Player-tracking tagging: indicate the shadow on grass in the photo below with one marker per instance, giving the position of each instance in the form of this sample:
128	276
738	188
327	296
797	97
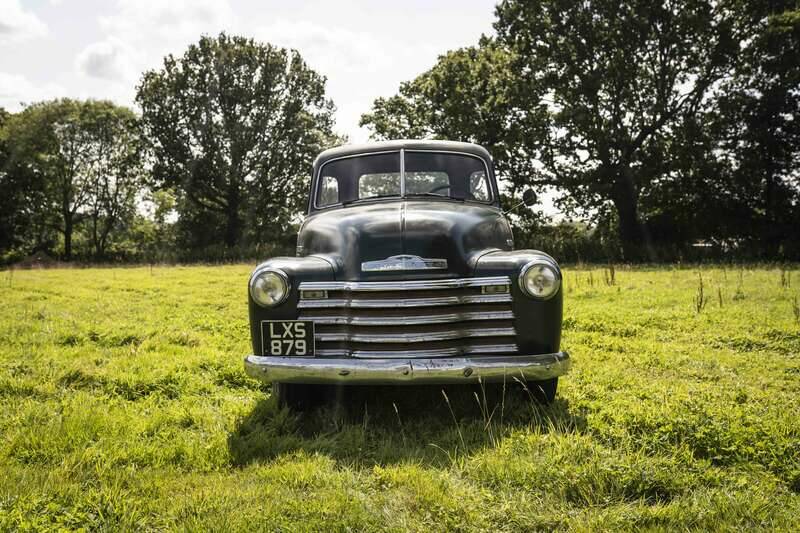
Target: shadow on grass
378	425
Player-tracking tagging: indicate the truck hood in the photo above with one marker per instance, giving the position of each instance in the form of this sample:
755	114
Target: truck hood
428	229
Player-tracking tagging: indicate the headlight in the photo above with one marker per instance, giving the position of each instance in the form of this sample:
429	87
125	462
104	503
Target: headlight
269	287
539	280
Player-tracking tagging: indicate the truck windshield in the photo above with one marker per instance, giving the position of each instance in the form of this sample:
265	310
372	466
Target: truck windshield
420	174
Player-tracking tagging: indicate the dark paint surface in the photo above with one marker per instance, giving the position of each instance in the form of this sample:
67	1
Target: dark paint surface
475	239
432	229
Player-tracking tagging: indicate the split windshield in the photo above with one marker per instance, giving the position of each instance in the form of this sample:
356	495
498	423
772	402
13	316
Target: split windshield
424	174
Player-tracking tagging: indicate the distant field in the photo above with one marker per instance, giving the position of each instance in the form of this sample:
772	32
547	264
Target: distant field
123	405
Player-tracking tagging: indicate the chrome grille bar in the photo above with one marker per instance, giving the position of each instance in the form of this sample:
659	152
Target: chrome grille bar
410	285
405	354
386	337
448	318
402	302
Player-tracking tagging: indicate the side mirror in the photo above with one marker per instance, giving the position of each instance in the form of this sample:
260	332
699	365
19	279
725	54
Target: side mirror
529	197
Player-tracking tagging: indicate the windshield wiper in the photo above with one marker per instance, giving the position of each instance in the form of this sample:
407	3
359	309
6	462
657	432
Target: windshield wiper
348	202
433	195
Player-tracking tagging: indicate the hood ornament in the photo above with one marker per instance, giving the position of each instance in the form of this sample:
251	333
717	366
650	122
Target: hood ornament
403	262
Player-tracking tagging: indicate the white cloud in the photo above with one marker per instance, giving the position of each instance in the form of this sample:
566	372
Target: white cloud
330	49
140	32
111	59
334	49
16	91
17	25
167	22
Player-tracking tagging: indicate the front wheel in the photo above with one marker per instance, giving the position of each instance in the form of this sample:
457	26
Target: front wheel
297	397
543	391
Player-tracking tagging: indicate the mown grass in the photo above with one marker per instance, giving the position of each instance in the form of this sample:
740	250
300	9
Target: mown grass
123	405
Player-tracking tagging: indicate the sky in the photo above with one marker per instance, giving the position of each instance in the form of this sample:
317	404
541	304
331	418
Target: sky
98	49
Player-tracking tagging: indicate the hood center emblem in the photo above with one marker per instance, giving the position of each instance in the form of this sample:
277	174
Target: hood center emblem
403	262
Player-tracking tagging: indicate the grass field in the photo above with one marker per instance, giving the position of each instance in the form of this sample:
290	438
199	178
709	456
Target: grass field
123	405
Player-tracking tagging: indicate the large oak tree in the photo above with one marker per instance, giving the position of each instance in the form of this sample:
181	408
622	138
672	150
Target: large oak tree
621	75
233	126
593	91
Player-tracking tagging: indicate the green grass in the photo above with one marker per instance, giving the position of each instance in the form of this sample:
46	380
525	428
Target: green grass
123	405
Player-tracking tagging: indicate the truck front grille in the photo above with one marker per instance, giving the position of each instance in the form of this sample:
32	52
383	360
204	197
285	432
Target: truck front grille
386	319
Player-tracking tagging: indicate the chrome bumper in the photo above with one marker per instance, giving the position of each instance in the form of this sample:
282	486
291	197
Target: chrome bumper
407	371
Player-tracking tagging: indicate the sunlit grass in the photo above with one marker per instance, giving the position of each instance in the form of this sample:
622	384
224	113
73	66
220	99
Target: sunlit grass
123	405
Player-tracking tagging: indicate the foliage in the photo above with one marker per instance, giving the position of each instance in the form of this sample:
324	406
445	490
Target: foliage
88	179
755	118
70	160
124	406
116	174
672	130
23	200
469	95
9	202
620	76
670	123
233	126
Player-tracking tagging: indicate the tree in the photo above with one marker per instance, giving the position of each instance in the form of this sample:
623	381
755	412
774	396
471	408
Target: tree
233	126
48	139
621	75
584	96
70	150
756	123
23	201
729	172
470	95
116	172
10	204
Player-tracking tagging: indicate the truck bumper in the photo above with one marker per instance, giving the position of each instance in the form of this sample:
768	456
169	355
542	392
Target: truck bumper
352	371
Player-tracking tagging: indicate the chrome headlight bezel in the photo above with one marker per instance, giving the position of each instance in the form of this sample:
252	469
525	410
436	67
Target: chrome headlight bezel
528	268
259	274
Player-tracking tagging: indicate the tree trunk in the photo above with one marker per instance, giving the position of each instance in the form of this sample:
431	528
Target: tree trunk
233	224
104	233
67	236
94	236
631	231
771	230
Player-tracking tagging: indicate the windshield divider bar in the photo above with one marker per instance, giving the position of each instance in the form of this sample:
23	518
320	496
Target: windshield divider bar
402	173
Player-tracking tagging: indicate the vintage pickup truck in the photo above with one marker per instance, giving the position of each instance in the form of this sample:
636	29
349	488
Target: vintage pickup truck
406	273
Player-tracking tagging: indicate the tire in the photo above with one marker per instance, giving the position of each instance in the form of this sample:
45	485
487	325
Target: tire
544	391
297	397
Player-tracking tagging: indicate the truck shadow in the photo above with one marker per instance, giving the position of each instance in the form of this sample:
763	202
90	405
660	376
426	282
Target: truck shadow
376	425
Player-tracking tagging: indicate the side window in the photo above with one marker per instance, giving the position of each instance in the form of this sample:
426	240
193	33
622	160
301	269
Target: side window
479	186
328	191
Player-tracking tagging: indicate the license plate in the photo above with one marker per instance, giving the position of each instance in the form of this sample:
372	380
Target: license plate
287	337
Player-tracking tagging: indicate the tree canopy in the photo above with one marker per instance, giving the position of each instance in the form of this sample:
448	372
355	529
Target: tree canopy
625	107
233	126
70	159
663	128
469	95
